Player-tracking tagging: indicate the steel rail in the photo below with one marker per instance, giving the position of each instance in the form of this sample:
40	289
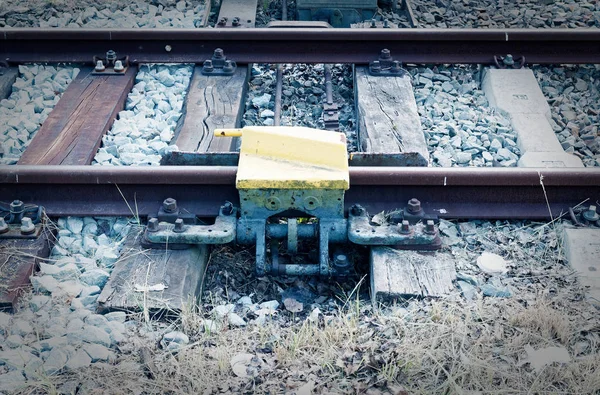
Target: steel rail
302	45
449	192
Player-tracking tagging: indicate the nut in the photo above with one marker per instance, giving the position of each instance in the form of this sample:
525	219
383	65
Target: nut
152	225
178	225
414	206
170	205
27	226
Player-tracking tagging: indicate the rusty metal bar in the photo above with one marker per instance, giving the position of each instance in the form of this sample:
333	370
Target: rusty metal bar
303	45
449	192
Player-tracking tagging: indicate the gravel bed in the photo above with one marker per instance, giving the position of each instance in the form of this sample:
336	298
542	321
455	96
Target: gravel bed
143	131
100	14
573	93
303	95
506	13
34	94
56	329
252	334
460	128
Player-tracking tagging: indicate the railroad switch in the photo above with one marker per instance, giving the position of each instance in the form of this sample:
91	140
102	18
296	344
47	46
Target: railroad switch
291	183
338	13
21	221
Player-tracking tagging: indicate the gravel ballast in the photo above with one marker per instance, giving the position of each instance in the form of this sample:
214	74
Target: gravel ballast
34	94
143	132
98	14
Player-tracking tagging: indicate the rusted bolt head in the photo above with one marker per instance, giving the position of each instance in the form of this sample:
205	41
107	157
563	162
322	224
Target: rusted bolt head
152	224
178	225
170	205
228	66
218	54
3	225
413	206
111	55
508	60
405	227
590	214
235	21
227	208
118	66
385	54
99	66
357	210
207	66
222	21
376	65
341	261
27	226
16	206
395	65
430	227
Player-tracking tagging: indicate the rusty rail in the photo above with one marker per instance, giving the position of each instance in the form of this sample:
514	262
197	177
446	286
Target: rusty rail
302	45
450	192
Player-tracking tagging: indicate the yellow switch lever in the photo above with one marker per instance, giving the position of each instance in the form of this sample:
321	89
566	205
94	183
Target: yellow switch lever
228	132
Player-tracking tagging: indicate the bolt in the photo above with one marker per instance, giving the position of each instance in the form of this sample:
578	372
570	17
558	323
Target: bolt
178	225
218	54
111	56
228	66
373	23
168	48
222	21
207	66
340	261
16	207
99	66
227	208
357	210
405	227
3	226
152	225
375	66
508	60
385	54
414	206
119	66
27	226
430	227
170	205
590	214
396	66
235	21
386	24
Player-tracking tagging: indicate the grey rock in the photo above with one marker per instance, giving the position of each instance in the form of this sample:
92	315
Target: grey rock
37	302
89	334
55	361
97	352
16	358
96	277
236	320
176	337
118	316
12	381
44	284
467	290
21	327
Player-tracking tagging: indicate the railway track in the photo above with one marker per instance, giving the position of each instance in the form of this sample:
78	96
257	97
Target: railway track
84	165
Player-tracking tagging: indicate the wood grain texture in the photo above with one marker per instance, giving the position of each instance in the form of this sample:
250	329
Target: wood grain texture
181	271
388	117
19	259
212	102
410	274
73	131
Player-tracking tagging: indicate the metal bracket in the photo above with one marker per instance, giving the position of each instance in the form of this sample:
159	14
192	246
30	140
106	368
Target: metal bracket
221	232
404	235
218	64
386	66
509	62
21	221
110	64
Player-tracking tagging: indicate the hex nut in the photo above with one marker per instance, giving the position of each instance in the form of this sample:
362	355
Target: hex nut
414	206
27	226
152	225
170	205
178	226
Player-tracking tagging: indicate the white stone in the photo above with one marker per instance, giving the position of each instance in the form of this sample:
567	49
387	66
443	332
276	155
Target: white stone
81	359
223	310
55	361
235	320
118	316
271	304
44	283
97	352
492	263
